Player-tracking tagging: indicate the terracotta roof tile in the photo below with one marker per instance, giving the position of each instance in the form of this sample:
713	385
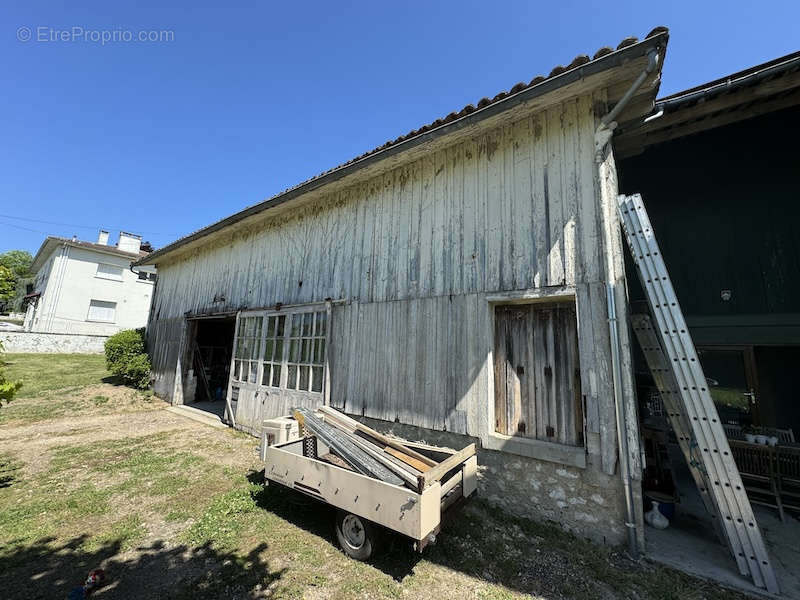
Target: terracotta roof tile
577	62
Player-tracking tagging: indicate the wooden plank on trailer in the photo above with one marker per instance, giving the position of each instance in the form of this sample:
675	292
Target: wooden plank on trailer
445	466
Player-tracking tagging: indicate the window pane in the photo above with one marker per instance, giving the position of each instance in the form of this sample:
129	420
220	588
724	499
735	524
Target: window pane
268	349
258	326
292	378
271	327
281	323
317	379
296	325
322	324
319	352
305	354
304	378
265	375
294	351
308	324
278	351
253	371
237	365
276	376
256	348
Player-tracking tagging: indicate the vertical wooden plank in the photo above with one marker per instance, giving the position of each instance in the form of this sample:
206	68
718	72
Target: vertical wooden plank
554	192
414	240
481	212
529	406
507	210
469	204
426	227
551	378
494	208
500	360
570	190
523	198
457	226
540	230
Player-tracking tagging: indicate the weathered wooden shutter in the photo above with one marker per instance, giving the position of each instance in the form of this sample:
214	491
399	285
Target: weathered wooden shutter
537	377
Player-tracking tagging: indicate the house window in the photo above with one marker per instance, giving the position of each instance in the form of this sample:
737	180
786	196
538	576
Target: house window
291	351
248	349
106	271
537	372
99	310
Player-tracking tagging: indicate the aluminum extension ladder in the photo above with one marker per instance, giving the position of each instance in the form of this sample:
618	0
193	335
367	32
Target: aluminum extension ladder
672	359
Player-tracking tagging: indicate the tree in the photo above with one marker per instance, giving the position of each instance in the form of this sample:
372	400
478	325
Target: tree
15	267
19	261
8	285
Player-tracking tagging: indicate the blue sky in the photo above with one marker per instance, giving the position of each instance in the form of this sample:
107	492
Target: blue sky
249	98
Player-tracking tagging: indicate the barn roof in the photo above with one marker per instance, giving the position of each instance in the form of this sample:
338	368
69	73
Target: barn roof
580	67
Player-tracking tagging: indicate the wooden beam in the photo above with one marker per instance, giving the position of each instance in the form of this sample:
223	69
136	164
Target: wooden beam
356	426
409	460
443	467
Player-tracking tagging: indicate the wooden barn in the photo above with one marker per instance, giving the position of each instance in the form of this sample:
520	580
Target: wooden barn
453	282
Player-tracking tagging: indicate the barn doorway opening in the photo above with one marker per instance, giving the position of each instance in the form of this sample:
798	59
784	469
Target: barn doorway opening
211	363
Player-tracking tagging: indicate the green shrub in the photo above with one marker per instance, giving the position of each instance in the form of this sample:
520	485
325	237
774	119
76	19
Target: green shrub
121	346
7	388
126	358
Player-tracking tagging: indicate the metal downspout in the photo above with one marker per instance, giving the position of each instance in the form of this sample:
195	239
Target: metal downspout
603	136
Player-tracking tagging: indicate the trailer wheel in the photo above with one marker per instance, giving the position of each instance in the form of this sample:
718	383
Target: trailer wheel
358	537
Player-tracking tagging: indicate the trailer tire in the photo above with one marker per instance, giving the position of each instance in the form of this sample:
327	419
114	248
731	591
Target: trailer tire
358	537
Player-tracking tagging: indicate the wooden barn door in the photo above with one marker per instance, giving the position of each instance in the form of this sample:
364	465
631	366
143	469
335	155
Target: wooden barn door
280	362
537	378
245	373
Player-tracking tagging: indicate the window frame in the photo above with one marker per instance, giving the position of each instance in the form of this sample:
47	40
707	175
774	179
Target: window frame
100	275
288	313
574	456
89	312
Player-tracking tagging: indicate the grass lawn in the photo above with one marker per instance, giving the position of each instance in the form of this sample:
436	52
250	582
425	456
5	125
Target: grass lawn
95	475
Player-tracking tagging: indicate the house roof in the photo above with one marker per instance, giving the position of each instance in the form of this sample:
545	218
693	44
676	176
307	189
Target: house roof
764	88
580	67
53	241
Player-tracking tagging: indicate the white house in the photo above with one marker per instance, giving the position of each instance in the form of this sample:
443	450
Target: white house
89	287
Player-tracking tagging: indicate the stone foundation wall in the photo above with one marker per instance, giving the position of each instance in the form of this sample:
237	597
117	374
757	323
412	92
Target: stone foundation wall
52	343
586	501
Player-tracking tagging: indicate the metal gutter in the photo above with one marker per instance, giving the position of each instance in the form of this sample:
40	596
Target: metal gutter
743	79
593	67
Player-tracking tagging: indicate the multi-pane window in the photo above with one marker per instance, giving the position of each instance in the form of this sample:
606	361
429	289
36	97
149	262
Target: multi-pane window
290	350
307	351
248	349
273	351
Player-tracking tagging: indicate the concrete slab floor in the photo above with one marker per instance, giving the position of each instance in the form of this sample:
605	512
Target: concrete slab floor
215	408
689	543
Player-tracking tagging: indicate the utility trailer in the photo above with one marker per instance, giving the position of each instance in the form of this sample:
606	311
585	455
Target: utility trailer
374	481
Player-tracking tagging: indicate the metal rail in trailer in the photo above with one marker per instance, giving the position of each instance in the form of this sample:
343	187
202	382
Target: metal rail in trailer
376	482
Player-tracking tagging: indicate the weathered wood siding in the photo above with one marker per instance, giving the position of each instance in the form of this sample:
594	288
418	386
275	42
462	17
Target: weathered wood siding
414	253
